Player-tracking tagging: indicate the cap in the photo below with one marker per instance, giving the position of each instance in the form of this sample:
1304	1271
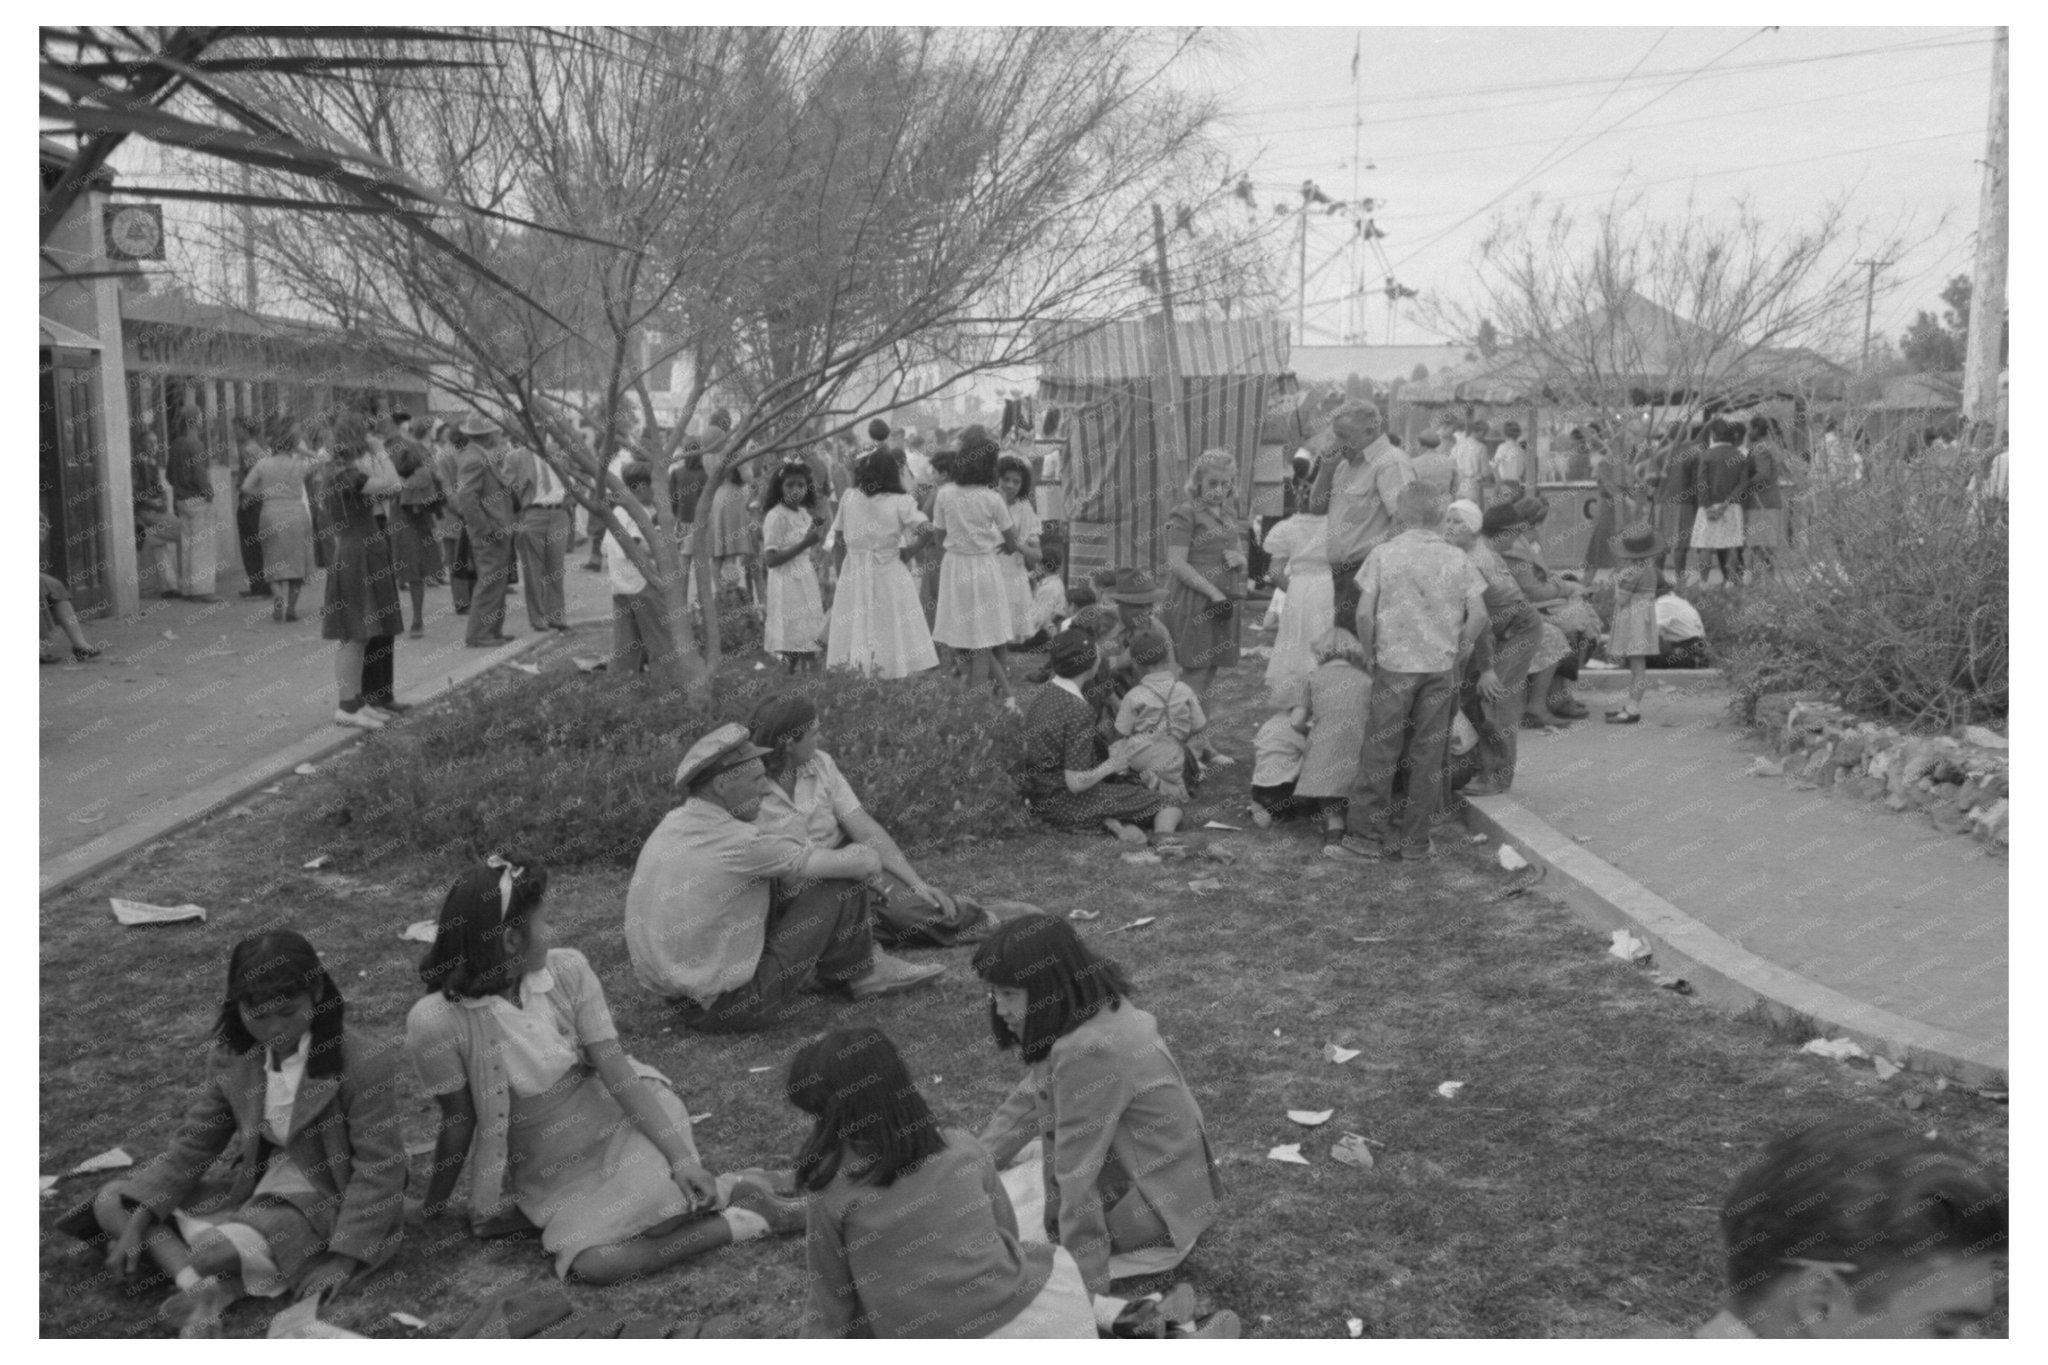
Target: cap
725	747
476	424
1134	586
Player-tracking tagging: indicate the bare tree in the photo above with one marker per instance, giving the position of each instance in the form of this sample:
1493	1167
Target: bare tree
820	222
1608	316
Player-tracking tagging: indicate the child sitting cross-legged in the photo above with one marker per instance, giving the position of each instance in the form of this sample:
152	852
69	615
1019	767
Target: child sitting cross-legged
1162	717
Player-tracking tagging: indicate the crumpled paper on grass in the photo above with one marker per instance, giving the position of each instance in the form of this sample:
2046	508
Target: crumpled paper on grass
138	912
1628	947
1290	1153
1841	1049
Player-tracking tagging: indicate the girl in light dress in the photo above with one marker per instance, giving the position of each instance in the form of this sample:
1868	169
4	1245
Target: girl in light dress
1301	568
795	606
561	1129
878	624
1013	481
975	530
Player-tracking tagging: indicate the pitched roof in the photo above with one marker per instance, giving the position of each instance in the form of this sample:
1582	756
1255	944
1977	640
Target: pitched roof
1380	364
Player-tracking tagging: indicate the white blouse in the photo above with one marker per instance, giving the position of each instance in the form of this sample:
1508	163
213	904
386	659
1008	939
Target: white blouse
534	1048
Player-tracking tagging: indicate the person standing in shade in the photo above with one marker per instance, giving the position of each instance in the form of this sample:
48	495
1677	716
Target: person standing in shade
156	525
192	489
361	613
412	517
1763	505
455	558
249	449
1421	608
484	497
1473	477
544	530
1509	460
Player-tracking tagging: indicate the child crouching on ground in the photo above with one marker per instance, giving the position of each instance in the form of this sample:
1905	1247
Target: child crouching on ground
1332	715
1162	717
1278	750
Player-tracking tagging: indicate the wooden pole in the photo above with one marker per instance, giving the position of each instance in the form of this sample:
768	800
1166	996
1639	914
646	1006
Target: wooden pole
1166	377
1987	285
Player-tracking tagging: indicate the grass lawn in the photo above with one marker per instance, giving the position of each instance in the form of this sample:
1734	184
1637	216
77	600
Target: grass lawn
1569	1189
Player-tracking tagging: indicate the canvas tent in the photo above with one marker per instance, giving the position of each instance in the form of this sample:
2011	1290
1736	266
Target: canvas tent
1121	477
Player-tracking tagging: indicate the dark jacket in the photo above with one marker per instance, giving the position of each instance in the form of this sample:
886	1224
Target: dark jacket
189	476
345	1136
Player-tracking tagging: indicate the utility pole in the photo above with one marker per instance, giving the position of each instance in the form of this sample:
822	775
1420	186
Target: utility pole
1301	298
1166	377
1987	284
1869	306
248	242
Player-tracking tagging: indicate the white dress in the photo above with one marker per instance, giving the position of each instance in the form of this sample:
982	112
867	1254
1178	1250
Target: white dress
1026	520
877	621
1310	609
796	608
974	597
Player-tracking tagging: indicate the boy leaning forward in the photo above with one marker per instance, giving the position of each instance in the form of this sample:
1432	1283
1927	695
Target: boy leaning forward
1421	608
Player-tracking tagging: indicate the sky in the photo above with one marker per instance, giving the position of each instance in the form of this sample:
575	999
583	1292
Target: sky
1460	125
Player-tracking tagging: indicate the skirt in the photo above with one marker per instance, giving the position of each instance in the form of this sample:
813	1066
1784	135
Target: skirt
415	546
1062	1310
1017	579
795	608
1725	534
1764	527
362	590
1550	650
583	1173
285	530
1635	627
272	1237
974	602
1309	613
878	625
1112	799
1204	632
1599	548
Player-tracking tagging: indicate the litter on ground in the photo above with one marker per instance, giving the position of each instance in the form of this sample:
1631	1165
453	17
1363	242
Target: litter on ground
1134	924
1353	1150
1841	1049
305	770
1510	861
136	912
113	1159
1339	1055
1449	1089
315	864
1288	1152
1628	947
420	931
1080	916
1311	1118
1144	857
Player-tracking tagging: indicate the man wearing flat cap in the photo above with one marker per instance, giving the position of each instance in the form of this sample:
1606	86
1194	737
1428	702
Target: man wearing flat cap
483	497
707	925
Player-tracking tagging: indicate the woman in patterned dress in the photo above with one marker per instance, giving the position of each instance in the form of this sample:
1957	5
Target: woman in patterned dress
1071	780
1205	560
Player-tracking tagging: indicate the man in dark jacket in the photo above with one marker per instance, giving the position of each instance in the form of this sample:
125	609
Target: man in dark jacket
192	490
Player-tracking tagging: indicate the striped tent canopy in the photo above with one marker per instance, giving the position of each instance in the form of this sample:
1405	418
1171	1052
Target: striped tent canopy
1120	487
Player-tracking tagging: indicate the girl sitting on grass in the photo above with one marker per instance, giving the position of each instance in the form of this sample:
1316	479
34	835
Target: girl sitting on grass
1127	1177
911	1232
318	1190
566	1132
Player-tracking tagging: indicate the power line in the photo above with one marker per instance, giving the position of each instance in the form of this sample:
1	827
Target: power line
1680	73
1398	156
1554	160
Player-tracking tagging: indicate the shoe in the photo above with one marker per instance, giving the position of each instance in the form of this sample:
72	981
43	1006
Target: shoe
462	611
363	719
1530	722
785	1217
1424	854
1222	1326
87	652
277	609
169	593
1337	853
1370	849
562	626
416	633
592	566
1569	708
1482	789
1624	717
290	616
888	975
391	708
380	713
1262	817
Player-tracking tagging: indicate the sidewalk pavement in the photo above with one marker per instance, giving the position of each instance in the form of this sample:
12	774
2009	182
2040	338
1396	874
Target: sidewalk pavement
194	705
1875	905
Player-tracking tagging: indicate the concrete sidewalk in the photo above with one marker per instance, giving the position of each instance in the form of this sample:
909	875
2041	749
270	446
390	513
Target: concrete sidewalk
188	698
1875	905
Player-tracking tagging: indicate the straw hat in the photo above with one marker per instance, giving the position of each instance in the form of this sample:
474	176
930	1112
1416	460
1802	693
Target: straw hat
1640	541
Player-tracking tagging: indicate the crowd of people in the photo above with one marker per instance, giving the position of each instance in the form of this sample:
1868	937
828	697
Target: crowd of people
767	884
1417	632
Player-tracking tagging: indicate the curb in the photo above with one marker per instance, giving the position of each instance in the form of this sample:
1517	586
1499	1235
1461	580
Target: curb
1616	679
68	869
1719	971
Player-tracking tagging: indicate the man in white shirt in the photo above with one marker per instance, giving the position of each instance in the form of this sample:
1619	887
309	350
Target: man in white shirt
1508	457
1473	478
542	539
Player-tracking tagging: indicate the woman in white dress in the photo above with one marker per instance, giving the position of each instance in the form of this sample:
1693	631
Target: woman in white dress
877	622
974	529
1301	566
796	608
1013	481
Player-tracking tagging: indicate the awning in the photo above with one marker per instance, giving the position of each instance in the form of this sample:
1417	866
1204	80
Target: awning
57	334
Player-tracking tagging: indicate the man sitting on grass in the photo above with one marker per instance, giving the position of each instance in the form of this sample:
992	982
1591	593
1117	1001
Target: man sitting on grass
1858	1228
709	927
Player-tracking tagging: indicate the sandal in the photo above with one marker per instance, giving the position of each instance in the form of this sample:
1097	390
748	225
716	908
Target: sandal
1624	717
